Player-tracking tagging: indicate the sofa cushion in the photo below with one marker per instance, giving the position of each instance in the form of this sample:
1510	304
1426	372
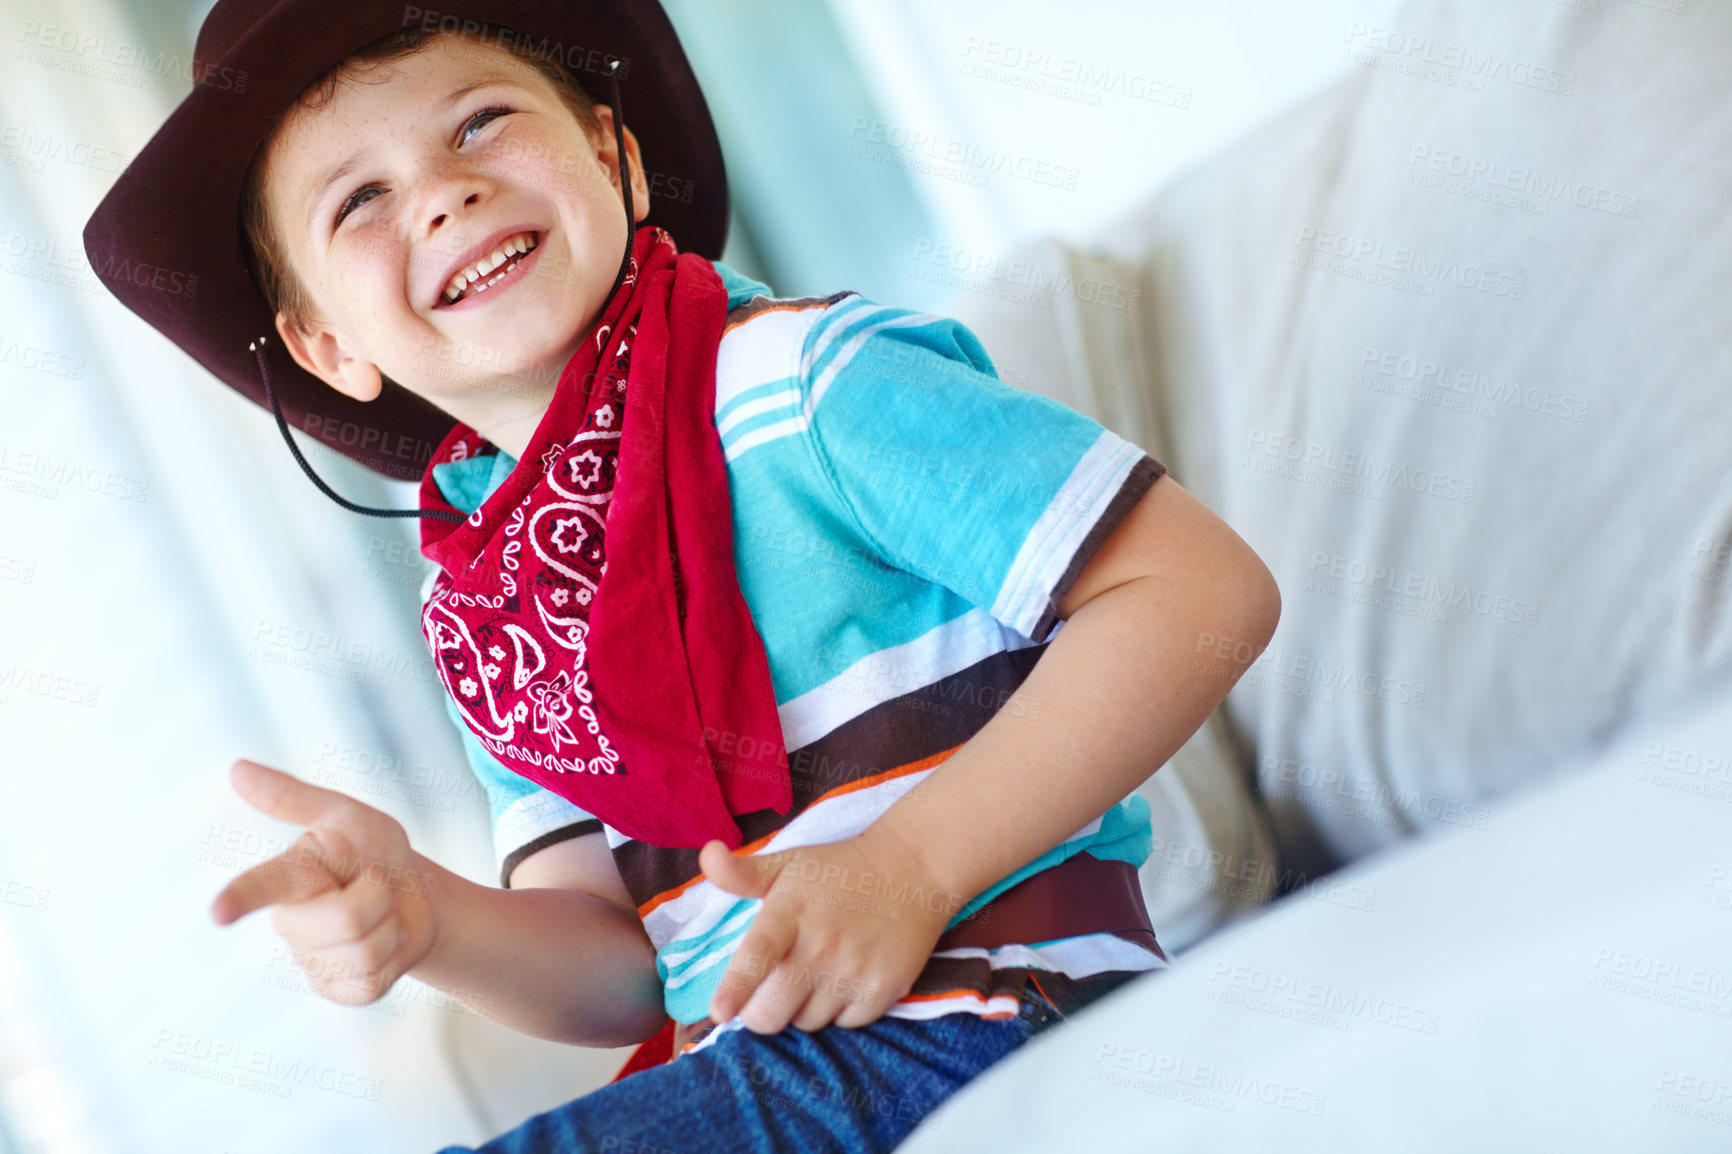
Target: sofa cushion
1448	344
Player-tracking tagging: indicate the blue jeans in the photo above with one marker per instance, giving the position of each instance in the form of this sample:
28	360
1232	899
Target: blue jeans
833	1089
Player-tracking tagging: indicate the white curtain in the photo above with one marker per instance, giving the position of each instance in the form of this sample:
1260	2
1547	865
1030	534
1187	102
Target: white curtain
173	595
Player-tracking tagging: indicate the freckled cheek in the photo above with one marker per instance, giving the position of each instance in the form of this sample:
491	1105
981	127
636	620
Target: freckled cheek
559	168
371	287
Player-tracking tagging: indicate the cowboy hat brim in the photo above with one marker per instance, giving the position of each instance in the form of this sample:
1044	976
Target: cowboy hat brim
167	239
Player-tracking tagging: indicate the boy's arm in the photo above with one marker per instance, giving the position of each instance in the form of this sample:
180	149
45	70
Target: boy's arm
1120	688
1159	625
561	956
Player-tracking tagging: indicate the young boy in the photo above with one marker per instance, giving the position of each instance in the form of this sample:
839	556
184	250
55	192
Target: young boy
933	861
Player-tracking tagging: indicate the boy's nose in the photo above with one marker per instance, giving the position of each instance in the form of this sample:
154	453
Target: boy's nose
468	201
443	211
445	187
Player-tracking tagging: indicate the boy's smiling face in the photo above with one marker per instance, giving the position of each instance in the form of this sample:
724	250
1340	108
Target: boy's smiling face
418	170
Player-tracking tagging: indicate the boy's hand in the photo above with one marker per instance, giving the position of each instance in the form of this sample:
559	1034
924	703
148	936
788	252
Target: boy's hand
844	930
349	895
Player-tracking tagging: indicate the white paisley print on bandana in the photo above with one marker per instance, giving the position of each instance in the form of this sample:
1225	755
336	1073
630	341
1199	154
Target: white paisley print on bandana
550	557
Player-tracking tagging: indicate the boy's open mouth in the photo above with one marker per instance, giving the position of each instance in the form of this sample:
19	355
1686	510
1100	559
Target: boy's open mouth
506	258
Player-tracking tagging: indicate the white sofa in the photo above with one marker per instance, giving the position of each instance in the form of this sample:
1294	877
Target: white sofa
1449	345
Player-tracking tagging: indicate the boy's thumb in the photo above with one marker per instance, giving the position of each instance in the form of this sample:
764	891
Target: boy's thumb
746	877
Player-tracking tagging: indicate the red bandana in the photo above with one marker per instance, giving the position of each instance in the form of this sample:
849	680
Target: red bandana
587	619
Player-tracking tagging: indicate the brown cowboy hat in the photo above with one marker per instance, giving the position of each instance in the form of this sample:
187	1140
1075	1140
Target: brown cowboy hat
167	239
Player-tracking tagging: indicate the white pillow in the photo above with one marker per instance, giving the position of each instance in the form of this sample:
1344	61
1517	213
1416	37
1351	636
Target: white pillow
1505	991
1476	424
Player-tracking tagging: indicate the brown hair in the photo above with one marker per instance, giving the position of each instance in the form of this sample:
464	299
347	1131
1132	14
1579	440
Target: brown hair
266	259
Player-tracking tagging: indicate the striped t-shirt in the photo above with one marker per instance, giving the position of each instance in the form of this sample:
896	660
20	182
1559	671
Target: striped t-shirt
904	524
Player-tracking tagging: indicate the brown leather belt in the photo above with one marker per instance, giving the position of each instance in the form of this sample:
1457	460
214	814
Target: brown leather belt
1081	895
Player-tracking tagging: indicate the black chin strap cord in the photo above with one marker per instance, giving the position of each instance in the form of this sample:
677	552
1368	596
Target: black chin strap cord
257	348
624	182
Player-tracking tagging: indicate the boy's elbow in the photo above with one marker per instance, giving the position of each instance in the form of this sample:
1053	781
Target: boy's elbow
1250	604
1265	612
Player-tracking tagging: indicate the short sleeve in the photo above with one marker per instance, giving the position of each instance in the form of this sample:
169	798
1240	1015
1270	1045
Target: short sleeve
998	494
526	817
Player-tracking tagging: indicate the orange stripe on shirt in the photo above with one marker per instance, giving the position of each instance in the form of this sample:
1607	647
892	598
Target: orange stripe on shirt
784	307
750	848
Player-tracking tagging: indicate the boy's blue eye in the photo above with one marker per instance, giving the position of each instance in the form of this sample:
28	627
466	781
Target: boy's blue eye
481	120
354	201
477	122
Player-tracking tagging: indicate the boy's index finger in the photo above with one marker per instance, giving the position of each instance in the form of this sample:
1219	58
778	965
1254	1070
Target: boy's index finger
293	875
284	796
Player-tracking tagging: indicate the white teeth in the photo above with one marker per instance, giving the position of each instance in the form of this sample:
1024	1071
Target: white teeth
456	286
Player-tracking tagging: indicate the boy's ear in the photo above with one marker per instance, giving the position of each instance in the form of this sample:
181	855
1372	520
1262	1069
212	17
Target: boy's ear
608	153
323	353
